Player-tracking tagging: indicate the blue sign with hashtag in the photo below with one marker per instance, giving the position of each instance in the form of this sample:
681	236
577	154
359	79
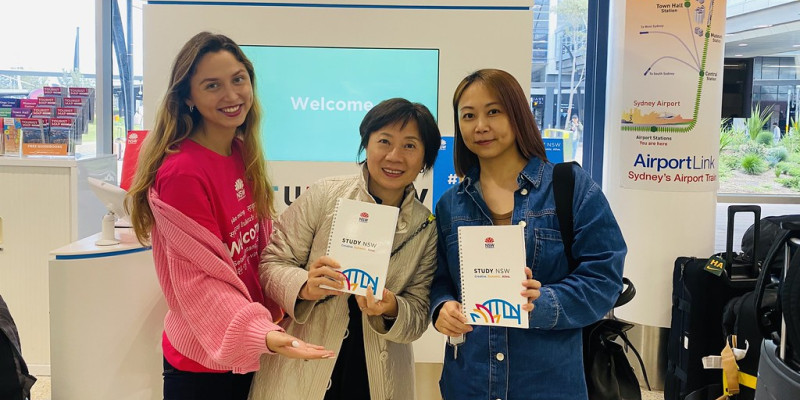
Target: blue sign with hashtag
444	173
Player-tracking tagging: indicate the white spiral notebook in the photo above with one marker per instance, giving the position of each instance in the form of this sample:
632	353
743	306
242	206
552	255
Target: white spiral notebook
361	241
492	260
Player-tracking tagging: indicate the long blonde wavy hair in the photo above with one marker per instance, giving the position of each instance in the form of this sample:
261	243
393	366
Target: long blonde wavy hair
175	122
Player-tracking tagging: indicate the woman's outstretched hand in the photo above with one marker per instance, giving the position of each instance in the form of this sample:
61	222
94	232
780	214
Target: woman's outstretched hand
289	346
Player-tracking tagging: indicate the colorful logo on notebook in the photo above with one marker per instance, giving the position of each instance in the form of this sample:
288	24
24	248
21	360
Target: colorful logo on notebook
489	242
355	278
363	217
493	310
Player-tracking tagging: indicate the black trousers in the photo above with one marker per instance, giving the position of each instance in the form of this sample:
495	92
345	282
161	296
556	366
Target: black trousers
183	385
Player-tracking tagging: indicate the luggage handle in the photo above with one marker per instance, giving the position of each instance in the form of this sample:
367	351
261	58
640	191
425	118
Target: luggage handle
732	211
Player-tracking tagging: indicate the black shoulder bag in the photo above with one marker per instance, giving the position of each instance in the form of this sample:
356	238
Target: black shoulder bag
609	375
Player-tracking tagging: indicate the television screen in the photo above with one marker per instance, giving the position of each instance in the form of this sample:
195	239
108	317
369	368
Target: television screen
314	98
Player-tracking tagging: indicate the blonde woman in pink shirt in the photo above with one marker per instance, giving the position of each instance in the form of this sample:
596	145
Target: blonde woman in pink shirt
202	197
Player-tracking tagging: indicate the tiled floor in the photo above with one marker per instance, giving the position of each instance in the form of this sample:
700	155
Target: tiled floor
41	391
652	395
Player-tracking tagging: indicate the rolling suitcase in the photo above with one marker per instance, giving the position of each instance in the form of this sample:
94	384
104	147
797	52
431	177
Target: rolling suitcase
701	288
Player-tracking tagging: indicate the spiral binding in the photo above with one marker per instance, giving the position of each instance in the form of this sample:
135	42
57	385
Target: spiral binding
461	270
333	226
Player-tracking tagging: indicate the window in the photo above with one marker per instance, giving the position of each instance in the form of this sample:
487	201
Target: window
65	57
558	75
759	136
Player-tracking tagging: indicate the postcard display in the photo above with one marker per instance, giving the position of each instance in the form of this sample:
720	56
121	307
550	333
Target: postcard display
50	125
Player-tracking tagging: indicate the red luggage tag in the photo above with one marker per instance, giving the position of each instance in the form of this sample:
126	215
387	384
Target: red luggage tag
715	265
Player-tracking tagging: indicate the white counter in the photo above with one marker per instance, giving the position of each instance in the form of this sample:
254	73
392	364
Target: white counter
106	318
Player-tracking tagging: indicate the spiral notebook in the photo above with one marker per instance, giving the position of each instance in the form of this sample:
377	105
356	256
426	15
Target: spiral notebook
492	260
361	241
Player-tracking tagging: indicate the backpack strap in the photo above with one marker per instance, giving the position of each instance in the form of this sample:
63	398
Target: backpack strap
622	335
563	192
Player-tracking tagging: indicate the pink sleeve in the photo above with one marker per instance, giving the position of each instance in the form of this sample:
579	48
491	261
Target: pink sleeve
231	329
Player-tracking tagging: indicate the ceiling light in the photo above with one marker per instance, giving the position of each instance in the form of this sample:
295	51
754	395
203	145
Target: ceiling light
738	55
742	44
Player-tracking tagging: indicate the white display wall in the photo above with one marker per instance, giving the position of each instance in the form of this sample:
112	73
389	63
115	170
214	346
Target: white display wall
468	35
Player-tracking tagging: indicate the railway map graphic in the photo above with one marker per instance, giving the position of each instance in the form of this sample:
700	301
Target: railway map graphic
671	84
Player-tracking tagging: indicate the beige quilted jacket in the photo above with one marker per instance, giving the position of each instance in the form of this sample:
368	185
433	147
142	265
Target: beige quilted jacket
301	236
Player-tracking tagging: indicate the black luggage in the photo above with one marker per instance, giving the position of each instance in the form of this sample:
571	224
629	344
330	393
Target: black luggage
701	288
770	231
779	366
756	315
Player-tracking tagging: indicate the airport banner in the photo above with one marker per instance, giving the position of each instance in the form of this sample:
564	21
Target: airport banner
671	95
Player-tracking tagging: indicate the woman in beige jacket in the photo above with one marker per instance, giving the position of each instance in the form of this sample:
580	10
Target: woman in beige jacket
372	339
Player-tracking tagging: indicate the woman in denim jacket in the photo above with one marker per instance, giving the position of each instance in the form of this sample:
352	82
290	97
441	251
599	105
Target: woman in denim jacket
507	179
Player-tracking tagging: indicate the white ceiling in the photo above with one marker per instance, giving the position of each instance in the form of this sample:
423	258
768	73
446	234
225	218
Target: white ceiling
773	31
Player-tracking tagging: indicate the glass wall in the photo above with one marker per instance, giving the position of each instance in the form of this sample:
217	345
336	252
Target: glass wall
558	75
759	136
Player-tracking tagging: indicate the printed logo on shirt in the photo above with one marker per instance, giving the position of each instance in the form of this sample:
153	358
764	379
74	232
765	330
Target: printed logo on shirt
239	186
245	241
489	242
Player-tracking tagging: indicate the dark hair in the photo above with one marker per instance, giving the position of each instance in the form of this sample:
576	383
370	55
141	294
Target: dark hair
401	110
513	99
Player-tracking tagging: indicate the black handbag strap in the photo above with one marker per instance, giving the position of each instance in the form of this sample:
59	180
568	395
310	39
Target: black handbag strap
563	192
627	294
622	335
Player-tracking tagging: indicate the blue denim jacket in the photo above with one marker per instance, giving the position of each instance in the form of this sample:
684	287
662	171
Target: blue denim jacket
546	360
